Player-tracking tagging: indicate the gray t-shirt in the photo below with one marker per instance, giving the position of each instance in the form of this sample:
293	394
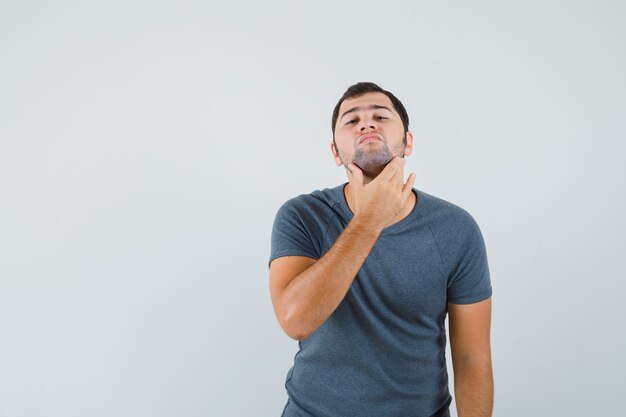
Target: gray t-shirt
382	351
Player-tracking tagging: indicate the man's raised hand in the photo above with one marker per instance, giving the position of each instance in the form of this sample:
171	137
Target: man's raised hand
379	202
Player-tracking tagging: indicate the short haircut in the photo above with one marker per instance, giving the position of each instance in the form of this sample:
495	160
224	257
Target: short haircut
359	89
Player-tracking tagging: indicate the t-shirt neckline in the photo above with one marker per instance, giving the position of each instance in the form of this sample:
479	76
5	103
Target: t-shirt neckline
413	214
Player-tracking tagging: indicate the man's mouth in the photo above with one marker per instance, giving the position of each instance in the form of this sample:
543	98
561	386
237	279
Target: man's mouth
369	137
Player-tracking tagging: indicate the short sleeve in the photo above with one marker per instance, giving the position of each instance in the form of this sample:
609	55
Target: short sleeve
469	280
291	235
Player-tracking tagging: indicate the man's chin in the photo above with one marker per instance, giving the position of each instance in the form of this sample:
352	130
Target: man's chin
374	165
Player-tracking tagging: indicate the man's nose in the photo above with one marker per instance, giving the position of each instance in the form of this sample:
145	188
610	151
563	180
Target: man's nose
367	124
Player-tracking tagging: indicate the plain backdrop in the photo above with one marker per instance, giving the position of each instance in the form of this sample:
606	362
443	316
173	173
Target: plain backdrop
145	147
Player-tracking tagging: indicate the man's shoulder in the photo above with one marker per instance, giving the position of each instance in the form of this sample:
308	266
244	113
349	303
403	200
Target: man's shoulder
302	221
316	200
446	217
433	205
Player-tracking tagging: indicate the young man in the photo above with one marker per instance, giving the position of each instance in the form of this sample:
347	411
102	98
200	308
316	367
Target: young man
363	275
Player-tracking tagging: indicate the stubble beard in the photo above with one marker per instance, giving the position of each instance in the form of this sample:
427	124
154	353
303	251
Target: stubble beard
372	162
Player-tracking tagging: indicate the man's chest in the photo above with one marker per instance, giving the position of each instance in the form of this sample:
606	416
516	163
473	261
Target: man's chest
403	274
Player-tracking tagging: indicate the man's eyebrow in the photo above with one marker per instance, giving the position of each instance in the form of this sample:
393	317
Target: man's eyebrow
358	108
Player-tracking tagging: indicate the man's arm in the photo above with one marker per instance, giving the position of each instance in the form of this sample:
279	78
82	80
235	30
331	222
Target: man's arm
471	358
305	292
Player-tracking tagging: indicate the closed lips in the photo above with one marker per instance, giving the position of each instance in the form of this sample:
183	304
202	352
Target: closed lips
369	137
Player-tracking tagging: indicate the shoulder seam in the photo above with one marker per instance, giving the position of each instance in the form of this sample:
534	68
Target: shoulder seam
330	219
443	266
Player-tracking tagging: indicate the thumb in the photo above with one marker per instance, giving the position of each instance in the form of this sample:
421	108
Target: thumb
355	174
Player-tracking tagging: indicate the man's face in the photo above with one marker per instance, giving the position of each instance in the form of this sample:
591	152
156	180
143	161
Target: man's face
369	133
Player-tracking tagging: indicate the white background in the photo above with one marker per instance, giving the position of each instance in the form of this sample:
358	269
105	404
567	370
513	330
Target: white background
146	146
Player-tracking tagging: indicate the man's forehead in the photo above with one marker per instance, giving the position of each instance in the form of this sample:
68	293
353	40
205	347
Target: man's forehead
366	101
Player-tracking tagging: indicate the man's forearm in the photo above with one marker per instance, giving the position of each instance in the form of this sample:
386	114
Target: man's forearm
312	296
473	387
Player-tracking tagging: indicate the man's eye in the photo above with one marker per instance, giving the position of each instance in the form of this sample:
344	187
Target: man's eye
349	122
382	117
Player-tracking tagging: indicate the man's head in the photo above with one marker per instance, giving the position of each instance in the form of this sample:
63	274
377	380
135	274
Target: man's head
370	127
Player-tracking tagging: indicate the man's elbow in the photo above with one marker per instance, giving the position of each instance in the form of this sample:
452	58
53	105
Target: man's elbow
292	325
479	364
474	359
296	334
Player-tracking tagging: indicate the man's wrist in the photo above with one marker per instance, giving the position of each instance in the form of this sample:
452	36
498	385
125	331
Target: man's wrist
364	225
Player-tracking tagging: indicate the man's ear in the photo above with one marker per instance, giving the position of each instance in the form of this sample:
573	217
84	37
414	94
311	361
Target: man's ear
333	150
408	150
